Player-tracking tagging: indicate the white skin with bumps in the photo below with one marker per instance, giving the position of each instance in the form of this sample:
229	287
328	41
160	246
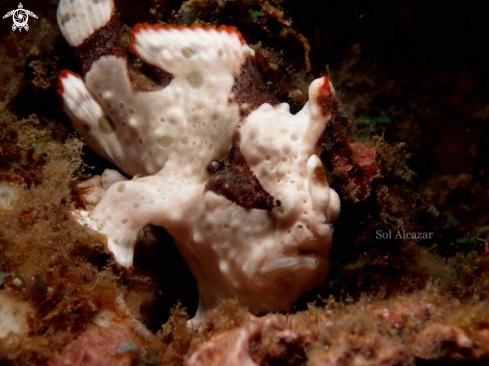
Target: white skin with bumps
167	138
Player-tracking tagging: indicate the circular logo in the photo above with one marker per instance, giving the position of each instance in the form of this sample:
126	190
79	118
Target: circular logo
20	17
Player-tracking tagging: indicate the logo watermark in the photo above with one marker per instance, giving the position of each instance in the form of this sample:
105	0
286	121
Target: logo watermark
20	17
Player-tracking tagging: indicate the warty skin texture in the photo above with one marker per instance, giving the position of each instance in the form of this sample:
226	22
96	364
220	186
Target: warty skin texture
176	139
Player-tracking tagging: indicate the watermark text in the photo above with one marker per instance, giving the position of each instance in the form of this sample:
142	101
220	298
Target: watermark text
403	234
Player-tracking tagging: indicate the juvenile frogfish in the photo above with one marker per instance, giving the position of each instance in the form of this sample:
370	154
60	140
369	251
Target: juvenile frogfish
217	161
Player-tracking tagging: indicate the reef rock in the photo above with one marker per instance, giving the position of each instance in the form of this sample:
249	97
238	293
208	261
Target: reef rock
228	171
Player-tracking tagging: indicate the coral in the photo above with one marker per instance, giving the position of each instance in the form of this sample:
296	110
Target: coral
90	192
401	330
226	170
99	348
8	195
14	315
115	340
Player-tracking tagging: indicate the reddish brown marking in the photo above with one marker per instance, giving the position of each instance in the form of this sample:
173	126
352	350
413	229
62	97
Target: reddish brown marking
319	176
63	75
326	97
249	88
145	26
235	181
103	42
61	89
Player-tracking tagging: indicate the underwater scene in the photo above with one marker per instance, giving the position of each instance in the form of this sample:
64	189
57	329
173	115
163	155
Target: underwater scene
244	182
